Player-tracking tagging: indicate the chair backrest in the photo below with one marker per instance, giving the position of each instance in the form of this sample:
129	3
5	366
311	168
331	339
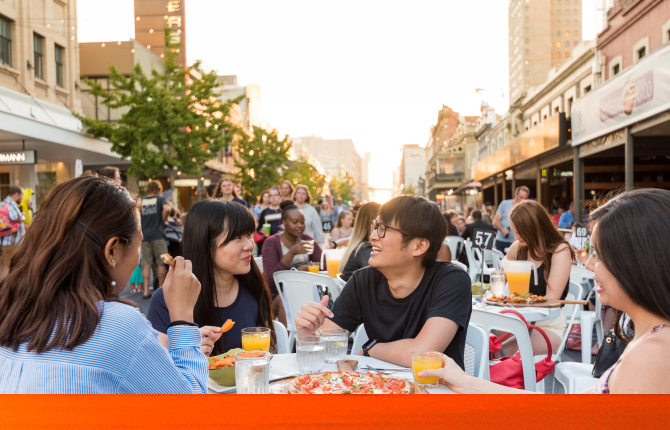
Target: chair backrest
491	320
360	337
340	285
476	352
299	288
282	338
259	263
475	270
452	242
575	292
459	264
496	259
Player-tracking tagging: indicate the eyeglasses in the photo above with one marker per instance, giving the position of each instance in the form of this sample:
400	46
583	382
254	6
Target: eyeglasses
381	229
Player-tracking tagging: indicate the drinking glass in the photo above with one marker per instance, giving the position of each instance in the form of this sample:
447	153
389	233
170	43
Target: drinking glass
422	360
309	246
497	283
336	340
252	372
256	339
311	354
313	267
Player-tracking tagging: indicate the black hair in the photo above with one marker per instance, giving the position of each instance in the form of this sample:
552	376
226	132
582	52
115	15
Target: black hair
286	203
417	217
635	257
206	221
286	208
476	215
210	189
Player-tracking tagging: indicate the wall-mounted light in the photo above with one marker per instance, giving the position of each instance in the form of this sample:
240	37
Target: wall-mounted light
28	65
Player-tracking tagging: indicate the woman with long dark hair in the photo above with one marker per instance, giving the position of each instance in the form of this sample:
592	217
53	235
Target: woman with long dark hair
218	239
630	242
63	328
538	241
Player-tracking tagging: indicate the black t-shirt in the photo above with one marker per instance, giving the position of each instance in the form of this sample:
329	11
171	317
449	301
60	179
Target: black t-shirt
153	227
444	291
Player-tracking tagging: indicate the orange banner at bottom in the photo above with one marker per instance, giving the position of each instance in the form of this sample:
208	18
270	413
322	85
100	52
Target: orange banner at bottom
375	412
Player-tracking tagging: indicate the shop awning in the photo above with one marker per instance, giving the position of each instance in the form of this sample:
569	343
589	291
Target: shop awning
639	92
467	186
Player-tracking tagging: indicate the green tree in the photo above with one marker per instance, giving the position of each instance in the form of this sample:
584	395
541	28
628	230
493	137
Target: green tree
411	190
342	186
301	172
171	122
262	159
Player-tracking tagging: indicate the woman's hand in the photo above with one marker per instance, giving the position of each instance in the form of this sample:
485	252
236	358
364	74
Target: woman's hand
181	290
450	374
210	335
298	248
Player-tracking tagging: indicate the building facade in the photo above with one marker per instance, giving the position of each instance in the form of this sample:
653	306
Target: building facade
151	19
542	34
412	168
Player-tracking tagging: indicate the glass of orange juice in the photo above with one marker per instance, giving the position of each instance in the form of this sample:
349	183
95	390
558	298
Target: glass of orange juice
313	267
332	266
423	360
518	282
256	339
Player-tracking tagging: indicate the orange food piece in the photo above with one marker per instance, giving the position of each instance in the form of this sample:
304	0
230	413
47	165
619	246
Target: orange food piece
252	354
227	325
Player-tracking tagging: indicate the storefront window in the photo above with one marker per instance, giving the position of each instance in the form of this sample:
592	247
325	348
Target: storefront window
49	174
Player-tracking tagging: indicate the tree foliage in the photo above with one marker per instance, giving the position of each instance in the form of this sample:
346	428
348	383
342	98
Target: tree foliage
169	122
262	160
342	186
301	172
411	190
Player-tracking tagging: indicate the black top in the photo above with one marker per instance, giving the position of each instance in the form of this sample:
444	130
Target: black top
541	288
272	217
444	291
470	228
357	260
153	227
243	311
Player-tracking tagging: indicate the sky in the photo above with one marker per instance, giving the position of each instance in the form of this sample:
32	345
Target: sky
374	71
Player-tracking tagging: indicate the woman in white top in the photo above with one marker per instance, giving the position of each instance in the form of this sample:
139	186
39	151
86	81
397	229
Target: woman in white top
313	225
343	230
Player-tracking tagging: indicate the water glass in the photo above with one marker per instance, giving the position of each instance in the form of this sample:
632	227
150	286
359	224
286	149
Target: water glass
497	283
252	372
311	353
336	340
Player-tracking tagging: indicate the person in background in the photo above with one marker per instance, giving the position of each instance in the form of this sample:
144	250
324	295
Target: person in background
620	268
218	239
26	205
302	200
174	218
343	230
225	190
355	207
286	191
555	218
485	210
477	223
568	217
270	215
63	327
14	196
155	210
487	218
317	206
287	250
451	216
460	225
406	299
444	254
112	173
505	237
89	173
538	241
263	203
358	252
210	190
339	208
326	215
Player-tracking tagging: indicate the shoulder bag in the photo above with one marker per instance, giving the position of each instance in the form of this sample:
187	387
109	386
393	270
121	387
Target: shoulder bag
608	354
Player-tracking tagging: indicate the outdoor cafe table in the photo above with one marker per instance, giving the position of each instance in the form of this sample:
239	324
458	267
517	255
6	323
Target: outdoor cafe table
530	314
286	365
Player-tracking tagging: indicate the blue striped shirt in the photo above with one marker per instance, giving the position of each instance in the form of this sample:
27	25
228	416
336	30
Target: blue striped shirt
123	356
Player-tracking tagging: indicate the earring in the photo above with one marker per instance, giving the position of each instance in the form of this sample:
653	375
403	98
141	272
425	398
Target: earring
113	283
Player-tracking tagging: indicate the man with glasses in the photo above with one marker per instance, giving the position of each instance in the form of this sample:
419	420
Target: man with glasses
407	300
270	215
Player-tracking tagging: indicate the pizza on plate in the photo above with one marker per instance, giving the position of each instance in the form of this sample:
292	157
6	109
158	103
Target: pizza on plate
349	383
520	299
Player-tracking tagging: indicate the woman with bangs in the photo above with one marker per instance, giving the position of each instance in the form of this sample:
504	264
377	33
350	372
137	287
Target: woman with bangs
538	241
218	239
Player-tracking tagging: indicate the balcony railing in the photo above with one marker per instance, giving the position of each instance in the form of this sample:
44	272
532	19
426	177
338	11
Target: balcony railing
446	177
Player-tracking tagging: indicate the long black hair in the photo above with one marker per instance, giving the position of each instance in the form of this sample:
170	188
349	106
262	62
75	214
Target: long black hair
632	243
205	222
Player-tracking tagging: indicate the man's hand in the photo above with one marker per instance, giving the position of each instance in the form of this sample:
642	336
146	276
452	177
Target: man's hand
311	317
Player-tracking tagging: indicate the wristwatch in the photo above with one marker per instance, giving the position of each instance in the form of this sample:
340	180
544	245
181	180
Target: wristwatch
368	346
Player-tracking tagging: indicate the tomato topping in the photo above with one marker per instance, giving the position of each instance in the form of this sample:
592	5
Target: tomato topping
348	382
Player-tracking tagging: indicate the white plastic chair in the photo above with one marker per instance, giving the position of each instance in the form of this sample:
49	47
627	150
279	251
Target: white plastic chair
573	378
259	263
488	321
588	319
452	242
476	352
475	270
282	338
299	288
360	337
496	259
459	264
340	286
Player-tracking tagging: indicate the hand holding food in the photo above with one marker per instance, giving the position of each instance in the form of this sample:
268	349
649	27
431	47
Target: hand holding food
167	259
227	325
209	337
180	290
311	316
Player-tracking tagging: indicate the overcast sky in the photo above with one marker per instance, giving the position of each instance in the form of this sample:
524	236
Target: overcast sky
374	71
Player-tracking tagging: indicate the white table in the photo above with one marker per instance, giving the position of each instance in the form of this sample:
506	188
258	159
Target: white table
285	365
530	314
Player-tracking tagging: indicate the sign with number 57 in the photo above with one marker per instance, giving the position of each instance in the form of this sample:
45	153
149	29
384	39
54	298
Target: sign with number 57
483	239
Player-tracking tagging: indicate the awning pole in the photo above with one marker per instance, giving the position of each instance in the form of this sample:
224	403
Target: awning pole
578	184
628	148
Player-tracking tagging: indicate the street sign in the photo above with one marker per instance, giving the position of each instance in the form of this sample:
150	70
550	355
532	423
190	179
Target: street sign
483	239
581	232
18	157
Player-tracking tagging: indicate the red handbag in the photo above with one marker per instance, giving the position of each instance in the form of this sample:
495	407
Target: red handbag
258	238
508	371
